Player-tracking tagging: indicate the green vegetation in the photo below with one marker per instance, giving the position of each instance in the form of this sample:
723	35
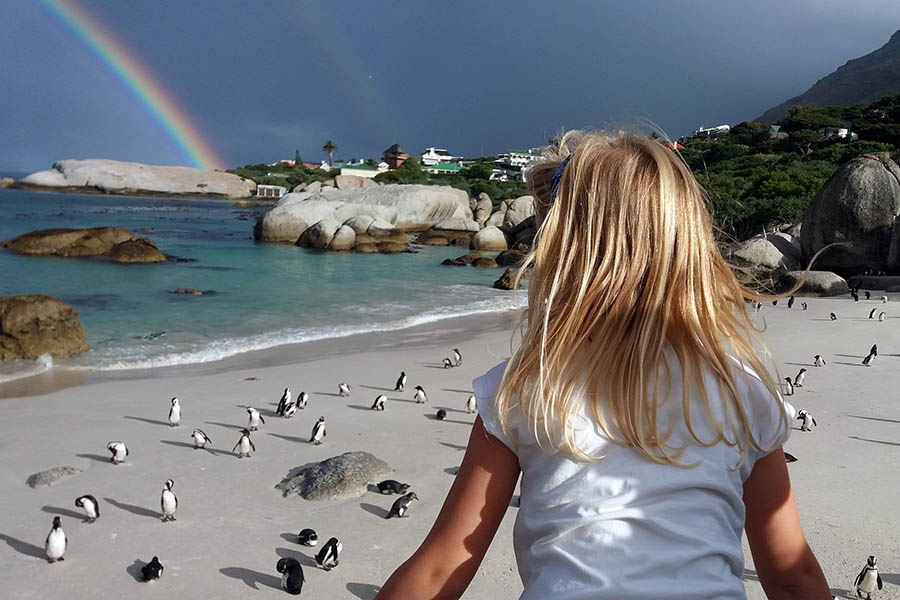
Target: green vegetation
282	174
757	177
473	179
328	148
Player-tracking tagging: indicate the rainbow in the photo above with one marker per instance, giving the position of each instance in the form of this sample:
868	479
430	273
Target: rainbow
139	80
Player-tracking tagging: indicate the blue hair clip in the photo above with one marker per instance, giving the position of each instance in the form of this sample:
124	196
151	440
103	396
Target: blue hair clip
557	177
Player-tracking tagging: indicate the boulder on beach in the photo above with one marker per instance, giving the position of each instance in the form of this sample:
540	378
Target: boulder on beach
818	283
337	478
505	281
115	243
511	258
483	208
51	476
117	177
761	253
485	263
518	209
489	238
32	325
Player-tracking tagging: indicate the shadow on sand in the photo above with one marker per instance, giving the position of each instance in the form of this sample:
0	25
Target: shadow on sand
853	437
374	510
23	547
63	512
191	446
97	457
363	591
134	509
134	569
252	578
145	420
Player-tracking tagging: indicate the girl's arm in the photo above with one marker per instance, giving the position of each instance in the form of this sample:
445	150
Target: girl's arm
786	566
447	560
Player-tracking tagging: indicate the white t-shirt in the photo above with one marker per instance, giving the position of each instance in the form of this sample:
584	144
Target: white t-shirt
625	527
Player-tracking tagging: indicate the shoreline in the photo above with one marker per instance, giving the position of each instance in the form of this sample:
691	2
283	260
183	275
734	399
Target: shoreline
136	193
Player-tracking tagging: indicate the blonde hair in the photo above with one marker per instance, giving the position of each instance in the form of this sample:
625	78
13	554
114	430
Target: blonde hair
625	265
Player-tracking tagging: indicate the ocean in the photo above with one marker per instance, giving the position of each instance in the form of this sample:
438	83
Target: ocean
257	296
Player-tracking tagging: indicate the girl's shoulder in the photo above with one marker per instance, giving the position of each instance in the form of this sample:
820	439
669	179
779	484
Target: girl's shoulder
485	387
769	416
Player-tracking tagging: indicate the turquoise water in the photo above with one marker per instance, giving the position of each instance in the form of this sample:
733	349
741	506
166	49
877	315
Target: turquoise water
262	295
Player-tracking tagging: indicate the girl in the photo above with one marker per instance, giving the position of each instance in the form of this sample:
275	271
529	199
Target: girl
646	428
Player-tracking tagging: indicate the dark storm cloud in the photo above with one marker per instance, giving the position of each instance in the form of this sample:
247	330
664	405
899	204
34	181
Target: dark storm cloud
264	78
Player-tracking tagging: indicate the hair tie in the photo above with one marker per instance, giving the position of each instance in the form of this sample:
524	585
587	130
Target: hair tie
557	177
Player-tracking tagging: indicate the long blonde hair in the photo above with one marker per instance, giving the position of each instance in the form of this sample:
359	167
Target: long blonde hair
625	265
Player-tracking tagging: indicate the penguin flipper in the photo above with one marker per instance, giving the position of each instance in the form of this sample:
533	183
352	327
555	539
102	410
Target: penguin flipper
879	581
859	577
252	445
814	423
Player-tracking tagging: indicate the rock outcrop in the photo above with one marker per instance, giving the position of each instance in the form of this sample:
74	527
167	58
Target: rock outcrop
818	283
506	281
116	177
489	238
761	253
33	324
518	209
114	243
51	476
483	208
337	478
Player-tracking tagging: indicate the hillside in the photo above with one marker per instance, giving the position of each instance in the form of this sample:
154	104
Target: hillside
863	79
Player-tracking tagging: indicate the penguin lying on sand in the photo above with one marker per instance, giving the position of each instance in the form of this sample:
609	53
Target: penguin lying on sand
833	316
291	575
152	570
307	537
392	486
401	505
441	414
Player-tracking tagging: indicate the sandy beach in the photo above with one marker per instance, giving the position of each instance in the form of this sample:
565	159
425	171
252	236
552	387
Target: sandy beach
232	525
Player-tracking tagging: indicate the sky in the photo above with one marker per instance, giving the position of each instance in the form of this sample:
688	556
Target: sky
258	80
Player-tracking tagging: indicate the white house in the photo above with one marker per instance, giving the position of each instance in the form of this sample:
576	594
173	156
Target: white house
711	133
432	156
842	133
270	191
518	159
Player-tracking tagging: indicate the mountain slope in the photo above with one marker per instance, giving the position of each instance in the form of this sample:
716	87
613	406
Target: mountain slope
863	79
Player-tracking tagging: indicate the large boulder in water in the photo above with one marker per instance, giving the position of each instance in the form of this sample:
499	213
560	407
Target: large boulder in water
140	250
33	324
337	478
111	242
856	206
117	177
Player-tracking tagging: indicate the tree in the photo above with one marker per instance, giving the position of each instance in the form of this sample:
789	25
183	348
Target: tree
329	147
297	160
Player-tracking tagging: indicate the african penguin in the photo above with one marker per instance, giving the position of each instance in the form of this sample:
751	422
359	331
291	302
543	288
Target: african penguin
244	445
884	299
881	317
441	414
788	387
457	357
758	306
872	313
868	579
118	451
774	302
447	363
420	397
200	439
854	295
791	302
343	389
90	506
868	295
291	575
788	457
867	361
175	413
803	305
806	420
168	503
307	537
285	400
819	361
302	400
471	405
833	316
874	349
401	505
798	380
290	410
318	432
152	570
56	542
255	419
379	402
401	382
392	486
327	557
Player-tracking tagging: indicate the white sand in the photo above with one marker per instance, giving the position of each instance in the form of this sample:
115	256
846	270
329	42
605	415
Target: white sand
233	525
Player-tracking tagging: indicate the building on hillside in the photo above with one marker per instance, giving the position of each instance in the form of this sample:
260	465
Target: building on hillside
283	161
507	175
837	133
432	156
395	156
312	165
335	165
775	133
270	191
710	134
443	168
362	170
518	159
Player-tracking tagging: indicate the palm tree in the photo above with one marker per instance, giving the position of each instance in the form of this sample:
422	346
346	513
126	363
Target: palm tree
329	147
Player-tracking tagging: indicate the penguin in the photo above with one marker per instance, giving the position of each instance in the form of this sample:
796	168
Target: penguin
420	397
153	570
819	361
327	557
168	503
175	413
788	387
868	295
392	486
881	317
343	389
774	302
854	295
833	316
289	411
285	400
56	542
872	313
118	451
806	419
457	358
789	458
255	419
471	405
308	537
884	299
803	305
868	579
379	402
447	363
401	505
302	400
758	306
90	506
200	439
867	361
441	414
874	349
244	445
291	575
318	432
791	302
401	382
798	380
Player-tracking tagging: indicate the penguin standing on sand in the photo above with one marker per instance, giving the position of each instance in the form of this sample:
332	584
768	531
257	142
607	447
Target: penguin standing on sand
867	361
175	413
118	451
884	299
307	537
244	445
803	305
401	382
791	302
798	380
471	405
90	506
819	361
806	420
379	402
153	570
868	579
56	542
441	414
168	503
290	410
392	486
401	505
872	313
874	349
833	316
327	557
200	439
881	317
447	363
255	419
457	358
420	396
318	432
285	400
788	387
302	400
291	575
758	307
868	295
343	390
